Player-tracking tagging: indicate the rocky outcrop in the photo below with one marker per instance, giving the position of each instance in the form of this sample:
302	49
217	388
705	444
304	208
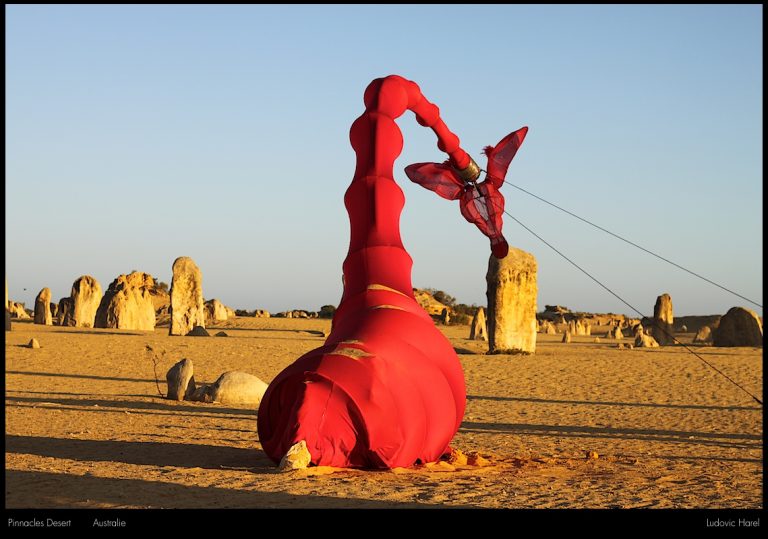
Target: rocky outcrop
86	295
567	337
548	328
739	327
43	308
428	302
645	341
127	304
663	320
478	330
703	336
17	310
215	311
511	292
187	309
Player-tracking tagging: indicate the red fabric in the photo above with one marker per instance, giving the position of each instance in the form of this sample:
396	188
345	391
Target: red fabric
386	389
482	203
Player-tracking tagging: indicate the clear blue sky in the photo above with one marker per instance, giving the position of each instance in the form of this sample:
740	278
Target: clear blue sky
136	134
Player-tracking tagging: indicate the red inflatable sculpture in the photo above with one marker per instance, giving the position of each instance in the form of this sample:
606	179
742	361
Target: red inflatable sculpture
386	389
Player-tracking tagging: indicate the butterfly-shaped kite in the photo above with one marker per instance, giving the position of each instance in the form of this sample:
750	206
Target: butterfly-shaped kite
480	203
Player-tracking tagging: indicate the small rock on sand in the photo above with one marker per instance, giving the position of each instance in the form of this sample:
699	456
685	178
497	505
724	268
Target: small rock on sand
33	344
296	458
221	334
476	459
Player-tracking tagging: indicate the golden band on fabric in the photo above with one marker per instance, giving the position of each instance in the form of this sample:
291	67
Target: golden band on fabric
471	173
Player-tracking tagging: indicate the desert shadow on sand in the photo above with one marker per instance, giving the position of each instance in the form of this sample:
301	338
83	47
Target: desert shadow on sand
152	494
85	376
143	453
684	437
606	403
171	406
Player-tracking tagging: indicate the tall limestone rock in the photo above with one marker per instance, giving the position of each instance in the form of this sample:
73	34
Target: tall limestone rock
739	327
511	292
187	308
663	318
128	304
86	295
478	330
43	308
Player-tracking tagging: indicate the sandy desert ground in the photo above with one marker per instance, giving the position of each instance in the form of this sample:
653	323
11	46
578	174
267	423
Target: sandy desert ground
86	428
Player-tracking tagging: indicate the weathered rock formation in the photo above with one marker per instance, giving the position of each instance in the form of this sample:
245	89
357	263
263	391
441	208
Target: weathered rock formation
645	341
739	327
511	292
43	308
17	310
215	311
663	320
127	304
478	330
187	309
54	308
547	327
236	387
567	337
703	336
181	380
86	295
66	312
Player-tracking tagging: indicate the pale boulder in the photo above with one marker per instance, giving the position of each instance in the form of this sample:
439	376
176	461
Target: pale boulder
236	387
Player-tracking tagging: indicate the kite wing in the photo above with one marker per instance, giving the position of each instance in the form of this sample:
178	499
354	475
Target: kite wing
501	155
438	177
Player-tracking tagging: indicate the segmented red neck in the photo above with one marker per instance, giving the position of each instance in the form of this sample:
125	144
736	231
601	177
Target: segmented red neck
374	201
